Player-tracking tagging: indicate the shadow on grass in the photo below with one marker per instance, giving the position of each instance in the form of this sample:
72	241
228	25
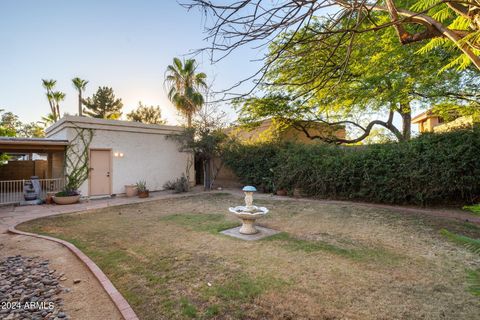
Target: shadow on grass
366	254
210	222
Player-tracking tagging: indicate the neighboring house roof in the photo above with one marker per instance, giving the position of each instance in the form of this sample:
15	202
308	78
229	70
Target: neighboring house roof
424	116
111	125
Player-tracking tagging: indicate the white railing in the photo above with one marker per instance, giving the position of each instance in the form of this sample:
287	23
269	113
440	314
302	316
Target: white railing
11	191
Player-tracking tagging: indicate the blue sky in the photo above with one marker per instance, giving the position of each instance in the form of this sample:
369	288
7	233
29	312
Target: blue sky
125	44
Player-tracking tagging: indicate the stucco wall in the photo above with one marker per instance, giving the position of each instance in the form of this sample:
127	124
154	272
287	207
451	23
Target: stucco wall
146	156
225	177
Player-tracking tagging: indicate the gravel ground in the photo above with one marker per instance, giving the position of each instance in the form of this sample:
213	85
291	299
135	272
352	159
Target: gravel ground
87	300
30	290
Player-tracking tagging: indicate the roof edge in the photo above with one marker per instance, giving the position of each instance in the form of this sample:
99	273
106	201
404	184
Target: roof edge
80	121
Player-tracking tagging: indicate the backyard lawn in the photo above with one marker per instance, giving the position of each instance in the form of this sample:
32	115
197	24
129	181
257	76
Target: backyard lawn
329	262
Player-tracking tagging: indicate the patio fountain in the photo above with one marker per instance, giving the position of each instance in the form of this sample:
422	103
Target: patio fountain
248	213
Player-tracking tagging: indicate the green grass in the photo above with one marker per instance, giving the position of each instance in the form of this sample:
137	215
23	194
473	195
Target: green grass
471	244
359	253
241	288
210	222
473	277
187	308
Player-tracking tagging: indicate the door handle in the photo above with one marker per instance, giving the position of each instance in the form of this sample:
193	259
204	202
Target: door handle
108	174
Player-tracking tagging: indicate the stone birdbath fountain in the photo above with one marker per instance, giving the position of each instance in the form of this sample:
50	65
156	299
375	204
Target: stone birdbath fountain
248	213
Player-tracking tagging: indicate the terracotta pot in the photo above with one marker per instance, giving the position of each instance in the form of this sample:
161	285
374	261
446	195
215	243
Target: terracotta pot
130	190
143	194
281	192
49	197
66	200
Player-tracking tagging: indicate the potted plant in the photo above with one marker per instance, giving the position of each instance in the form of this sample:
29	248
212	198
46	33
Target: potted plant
76	167
70	193
142	189
131	190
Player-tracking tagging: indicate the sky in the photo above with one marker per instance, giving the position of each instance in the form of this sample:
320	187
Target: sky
123	44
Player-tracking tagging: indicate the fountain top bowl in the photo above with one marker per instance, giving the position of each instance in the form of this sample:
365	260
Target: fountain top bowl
244	212
249	189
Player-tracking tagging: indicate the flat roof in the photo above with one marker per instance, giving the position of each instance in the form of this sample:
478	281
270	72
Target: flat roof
424	116
37	141
41	145
113	125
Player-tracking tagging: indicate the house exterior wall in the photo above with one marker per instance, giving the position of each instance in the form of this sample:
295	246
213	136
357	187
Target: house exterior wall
268	131
294	135
225	177
147	153
459	123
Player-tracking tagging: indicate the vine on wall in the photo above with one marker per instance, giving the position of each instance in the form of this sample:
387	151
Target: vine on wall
76	159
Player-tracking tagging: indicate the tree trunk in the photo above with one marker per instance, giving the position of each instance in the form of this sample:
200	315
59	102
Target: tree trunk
80	111
58	111
189	120
207	173
406	113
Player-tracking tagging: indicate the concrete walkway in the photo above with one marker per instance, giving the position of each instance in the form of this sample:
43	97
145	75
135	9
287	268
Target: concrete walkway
13	215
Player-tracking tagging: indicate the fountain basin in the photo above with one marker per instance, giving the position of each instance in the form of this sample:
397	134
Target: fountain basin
248	215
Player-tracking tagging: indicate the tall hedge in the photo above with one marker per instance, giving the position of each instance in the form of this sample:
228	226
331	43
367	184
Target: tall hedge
431	169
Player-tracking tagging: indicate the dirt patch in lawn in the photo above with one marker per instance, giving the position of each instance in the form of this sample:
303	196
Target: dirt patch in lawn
330	261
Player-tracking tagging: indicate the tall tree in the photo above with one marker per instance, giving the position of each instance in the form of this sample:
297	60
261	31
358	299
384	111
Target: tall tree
205	139
382	78
103	104
80	85
47	120
54	97
184	85
31	130
455	24
146	114
9	124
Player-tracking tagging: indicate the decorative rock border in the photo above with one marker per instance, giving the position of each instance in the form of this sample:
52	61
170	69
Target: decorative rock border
116	297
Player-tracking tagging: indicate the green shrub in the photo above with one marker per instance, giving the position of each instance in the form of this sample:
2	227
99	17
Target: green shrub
430	169
254	164
179	185
475	209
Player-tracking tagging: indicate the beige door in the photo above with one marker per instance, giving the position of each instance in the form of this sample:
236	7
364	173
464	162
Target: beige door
100	172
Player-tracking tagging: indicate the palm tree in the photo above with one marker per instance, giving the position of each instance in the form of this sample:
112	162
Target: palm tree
80	85
184	87
49	85
56	97
48	120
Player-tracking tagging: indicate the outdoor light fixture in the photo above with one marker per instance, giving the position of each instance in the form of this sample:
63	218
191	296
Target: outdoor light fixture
118	154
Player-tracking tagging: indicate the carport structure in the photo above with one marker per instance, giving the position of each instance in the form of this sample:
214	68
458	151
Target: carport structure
27	157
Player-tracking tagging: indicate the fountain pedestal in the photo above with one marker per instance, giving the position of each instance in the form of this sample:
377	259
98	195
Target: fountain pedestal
248	220
248	227
248	213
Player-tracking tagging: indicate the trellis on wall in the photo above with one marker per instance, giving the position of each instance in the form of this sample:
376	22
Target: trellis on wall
77	159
